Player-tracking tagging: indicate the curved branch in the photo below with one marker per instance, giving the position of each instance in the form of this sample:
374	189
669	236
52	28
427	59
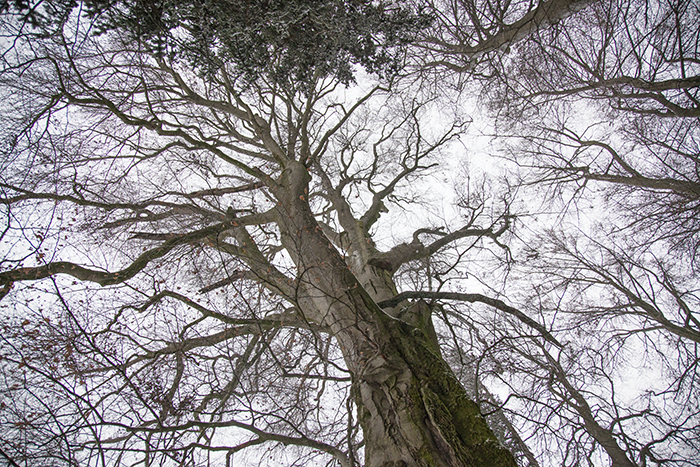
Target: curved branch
545	14
471	298
339	455
674	84
406	252
686	188
110	278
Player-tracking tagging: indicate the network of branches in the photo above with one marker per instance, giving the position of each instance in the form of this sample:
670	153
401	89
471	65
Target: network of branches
431	233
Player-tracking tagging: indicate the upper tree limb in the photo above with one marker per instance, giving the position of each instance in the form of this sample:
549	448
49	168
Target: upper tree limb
406	252
205	235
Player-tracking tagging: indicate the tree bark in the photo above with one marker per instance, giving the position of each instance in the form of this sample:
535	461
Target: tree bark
412	409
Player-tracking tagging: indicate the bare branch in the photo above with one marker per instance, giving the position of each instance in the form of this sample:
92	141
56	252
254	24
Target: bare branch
406	252
472	298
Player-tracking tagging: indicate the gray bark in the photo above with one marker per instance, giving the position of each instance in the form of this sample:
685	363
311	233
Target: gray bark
412	409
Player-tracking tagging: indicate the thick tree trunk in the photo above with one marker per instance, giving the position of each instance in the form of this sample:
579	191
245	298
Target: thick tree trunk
414	412
412	409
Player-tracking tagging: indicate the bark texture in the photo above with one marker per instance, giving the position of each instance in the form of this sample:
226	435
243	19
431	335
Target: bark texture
412	409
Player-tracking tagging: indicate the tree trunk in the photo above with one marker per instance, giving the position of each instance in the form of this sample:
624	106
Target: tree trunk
412	409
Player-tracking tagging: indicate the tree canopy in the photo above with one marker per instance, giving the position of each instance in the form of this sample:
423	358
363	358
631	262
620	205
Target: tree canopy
292	43
350	233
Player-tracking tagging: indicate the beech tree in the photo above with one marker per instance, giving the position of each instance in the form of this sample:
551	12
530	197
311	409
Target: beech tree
218	248
204	228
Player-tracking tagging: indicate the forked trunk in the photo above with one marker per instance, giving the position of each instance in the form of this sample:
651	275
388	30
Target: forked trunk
412	409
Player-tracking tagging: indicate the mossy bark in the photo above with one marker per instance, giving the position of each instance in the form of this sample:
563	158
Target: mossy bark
412	409
430	401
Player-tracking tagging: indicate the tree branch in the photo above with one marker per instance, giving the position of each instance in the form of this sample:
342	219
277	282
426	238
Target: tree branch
545	14
472	298
406	252
109	278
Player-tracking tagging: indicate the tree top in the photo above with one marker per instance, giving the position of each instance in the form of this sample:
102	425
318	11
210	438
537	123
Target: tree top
290	43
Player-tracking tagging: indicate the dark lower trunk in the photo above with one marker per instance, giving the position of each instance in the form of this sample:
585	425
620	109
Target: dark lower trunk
413	411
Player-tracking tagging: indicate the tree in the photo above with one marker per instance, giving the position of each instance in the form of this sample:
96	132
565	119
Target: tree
636	64
632	314
199	255
179	175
